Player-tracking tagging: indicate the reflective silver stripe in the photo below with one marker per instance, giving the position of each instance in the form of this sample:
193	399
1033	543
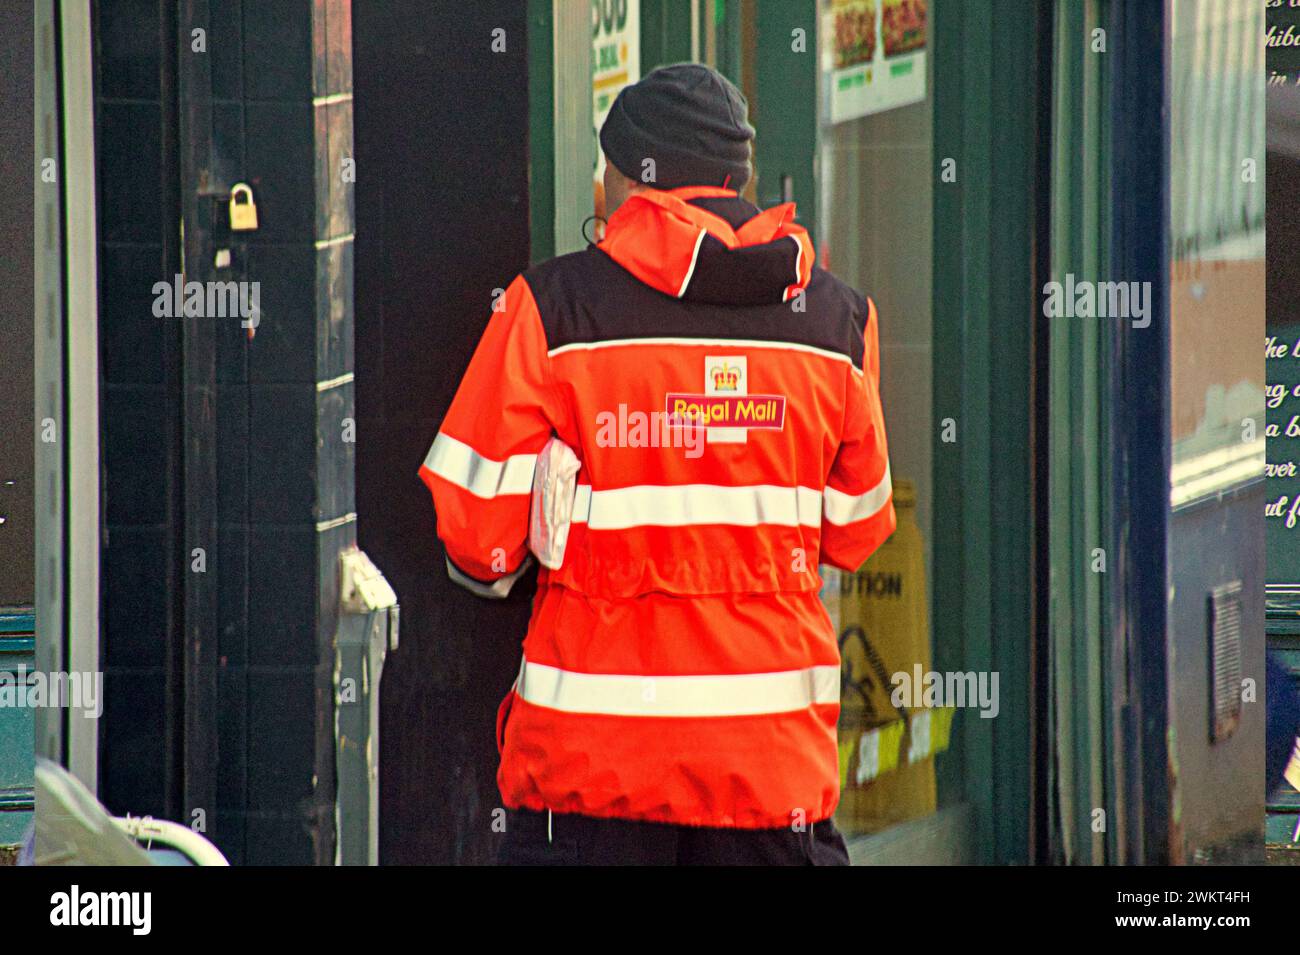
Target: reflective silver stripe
460	464
497	590
841	508
683	505
706	343
581	504
695	254
745	694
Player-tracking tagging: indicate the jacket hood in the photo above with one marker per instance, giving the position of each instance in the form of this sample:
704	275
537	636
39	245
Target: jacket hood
706	244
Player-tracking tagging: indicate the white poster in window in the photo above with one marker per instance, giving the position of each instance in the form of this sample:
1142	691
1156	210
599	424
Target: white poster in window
615	57
874	54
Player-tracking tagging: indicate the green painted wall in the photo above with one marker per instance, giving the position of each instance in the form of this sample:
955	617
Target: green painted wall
984	307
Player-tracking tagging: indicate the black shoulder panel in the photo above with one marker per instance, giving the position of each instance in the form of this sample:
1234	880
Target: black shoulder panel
587	297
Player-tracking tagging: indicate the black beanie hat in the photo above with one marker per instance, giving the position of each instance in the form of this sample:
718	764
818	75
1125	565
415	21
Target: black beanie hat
689	119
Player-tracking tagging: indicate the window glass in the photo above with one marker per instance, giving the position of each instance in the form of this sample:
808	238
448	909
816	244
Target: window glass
1217	245
875	169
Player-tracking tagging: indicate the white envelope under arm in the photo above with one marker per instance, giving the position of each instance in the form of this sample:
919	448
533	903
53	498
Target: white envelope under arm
555	484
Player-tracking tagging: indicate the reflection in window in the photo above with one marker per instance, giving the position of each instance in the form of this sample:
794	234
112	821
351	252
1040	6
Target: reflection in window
1217	245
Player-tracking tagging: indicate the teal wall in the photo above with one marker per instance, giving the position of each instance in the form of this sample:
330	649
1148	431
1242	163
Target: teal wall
17	764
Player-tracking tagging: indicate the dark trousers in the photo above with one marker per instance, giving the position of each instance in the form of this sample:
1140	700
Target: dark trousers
531	838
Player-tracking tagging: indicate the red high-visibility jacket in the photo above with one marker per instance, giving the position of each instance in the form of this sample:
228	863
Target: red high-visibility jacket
722	396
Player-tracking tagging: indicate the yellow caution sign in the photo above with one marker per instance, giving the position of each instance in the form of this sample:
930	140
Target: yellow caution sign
879	612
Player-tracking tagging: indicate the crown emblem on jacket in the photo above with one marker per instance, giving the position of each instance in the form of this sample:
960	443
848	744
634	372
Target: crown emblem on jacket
725	377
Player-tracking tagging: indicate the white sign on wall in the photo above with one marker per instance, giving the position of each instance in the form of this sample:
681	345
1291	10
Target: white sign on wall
874	54
615	57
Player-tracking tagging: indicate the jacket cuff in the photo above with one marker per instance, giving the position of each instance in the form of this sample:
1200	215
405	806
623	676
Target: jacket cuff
494	590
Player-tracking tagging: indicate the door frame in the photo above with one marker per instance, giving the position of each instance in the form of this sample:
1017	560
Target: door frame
985	612
1139	426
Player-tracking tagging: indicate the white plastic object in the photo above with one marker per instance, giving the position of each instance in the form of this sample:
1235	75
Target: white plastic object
555	485
160	834
363	587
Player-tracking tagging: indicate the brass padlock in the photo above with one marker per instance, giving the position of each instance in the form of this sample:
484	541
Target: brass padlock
243	211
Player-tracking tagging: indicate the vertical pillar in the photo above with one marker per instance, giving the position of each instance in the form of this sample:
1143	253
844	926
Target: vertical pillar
267	418
786	113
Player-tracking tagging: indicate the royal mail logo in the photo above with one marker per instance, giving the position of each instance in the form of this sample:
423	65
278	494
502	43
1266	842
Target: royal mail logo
763	412
726	405
726	377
